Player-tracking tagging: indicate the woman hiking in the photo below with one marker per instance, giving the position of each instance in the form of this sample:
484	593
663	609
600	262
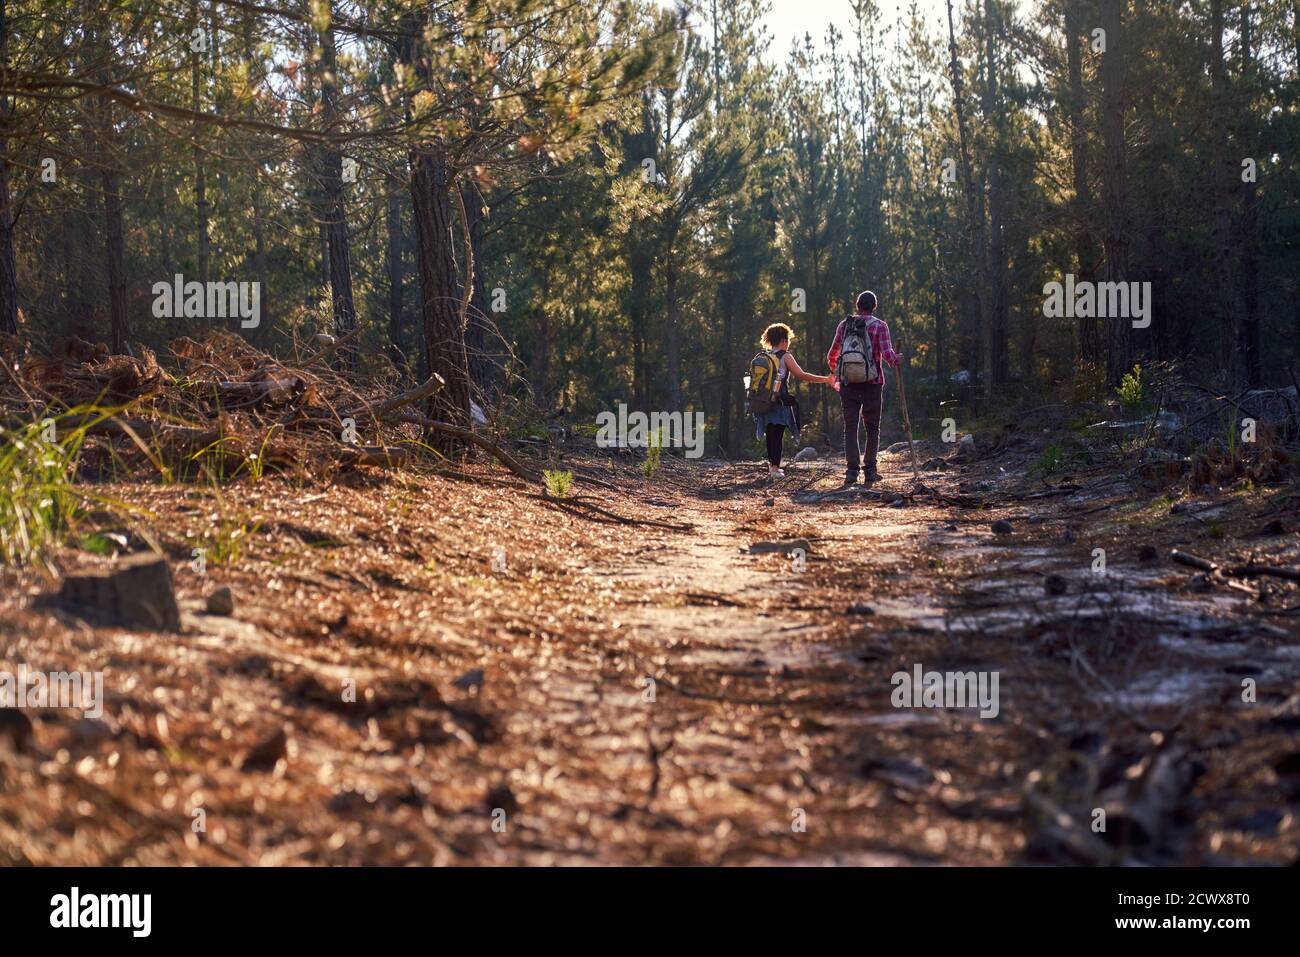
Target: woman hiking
784	414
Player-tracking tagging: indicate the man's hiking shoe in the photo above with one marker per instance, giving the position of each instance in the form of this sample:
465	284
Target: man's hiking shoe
851	479
873	476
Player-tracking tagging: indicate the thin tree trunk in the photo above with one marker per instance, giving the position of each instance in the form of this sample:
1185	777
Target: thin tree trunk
1250	343
974	213
1114	183
336	224
396	334
200	186
674	335
725	355
995	342
259	233
8	268
940	342
1090	348
1228	334
480	331
111	186
115	249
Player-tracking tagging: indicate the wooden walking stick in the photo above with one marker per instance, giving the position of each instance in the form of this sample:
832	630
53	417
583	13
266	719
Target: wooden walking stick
907	422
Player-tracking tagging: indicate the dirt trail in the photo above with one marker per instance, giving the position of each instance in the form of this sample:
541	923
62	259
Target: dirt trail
773	702
638	694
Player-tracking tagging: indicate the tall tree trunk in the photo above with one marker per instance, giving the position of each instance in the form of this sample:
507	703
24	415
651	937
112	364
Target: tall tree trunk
111	186
1114	182
1222	201
974	213
259	259
639	269
541	365
995	342
81	320
259	230
940	342
8	268
336	222
1250	344
1090	345
725	350
396	331
200	185
444	336
115	250
165	258
726	294
214	49
674	334
480	331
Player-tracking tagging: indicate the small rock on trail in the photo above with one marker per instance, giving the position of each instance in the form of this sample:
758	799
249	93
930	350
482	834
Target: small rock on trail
16	727
471	680
221	602
267	753
785	548
1001	527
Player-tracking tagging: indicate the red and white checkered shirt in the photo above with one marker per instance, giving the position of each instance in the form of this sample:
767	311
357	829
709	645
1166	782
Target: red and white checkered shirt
881	347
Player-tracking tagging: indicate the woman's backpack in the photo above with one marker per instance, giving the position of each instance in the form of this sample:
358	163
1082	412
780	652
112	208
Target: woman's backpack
764	381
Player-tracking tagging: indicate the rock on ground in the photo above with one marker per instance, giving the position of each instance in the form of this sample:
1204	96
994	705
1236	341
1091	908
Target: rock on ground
137	593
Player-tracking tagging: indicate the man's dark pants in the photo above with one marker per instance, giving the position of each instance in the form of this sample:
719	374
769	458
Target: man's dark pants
861	401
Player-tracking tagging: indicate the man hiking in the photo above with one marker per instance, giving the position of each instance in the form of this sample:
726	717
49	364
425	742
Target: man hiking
857	358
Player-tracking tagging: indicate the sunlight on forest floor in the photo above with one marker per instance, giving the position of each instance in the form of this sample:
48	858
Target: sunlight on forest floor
634	694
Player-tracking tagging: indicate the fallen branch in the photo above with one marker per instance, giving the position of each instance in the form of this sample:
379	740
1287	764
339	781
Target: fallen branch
410	397
378	455
570	504
1193	561
500	454
1246	570
331	347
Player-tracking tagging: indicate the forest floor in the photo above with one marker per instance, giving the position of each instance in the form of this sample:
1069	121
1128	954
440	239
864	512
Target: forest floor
537	682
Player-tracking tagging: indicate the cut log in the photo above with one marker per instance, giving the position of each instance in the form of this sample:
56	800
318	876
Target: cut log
138	593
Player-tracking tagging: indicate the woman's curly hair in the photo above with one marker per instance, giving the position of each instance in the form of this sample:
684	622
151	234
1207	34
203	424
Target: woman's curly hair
777	333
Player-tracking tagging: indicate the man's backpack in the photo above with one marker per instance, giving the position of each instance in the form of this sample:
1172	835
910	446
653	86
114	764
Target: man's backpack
764	381
857	362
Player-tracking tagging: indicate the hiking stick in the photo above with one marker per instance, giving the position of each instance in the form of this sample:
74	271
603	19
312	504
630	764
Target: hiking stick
907	421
